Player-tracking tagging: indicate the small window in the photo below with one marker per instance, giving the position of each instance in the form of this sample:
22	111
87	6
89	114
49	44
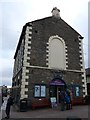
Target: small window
39	91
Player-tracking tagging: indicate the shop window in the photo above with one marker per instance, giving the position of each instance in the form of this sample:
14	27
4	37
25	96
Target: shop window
39	91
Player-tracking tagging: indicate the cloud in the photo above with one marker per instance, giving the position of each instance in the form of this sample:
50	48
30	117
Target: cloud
6	81
15	13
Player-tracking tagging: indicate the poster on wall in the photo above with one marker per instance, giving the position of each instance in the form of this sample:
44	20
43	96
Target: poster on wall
43	91
37	91
77	91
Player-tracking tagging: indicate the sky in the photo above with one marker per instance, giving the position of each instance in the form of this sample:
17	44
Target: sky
14	14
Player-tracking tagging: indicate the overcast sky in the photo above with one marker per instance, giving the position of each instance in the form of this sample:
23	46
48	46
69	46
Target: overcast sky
15	13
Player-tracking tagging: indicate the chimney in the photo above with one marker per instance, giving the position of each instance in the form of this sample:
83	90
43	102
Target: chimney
56	12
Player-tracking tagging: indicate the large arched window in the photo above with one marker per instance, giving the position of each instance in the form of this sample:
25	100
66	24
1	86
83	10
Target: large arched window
56	53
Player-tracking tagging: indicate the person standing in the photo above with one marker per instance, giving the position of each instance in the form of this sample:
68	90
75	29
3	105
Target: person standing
67	100
3	106
62	100
9	103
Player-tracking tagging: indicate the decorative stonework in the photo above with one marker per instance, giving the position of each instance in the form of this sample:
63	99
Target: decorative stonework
48	51
82	67
28	38
24	82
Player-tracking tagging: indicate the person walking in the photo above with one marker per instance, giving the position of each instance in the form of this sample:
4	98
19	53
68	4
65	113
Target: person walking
9	103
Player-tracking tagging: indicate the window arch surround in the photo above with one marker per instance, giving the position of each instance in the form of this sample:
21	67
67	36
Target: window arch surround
56	54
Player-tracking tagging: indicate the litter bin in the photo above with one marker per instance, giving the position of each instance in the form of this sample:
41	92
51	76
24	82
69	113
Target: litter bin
23	105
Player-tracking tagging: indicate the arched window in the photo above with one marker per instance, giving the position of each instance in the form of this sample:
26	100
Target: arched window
56	53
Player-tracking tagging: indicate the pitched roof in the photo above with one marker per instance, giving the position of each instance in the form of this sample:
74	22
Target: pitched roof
46	18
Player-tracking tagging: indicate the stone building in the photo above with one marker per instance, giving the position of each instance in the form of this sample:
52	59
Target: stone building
48	59
88	80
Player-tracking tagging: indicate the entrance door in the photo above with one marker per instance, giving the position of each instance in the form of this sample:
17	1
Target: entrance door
55	92
59	89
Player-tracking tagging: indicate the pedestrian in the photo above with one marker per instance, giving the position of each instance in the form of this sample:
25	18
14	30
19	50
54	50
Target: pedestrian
9	103
62	100
67	100
3	106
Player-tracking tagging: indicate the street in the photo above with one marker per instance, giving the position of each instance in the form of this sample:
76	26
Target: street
76	112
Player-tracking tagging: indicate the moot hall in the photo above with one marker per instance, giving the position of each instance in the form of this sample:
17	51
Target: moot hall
48	59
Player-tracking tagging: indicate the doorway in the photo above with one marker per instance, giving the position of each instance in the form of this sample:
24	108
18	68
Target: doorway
55	92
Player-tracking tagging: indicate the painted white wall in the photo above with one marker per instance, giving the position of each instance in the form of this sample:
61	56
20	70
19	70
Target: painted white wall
56	54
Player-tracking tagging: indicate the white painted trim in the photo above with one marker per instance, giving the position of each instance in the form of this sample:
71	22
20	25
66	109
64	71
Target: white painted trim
47	43
29	42
66	62
23	83
83	69
81	60
46	63
47	55
30	32
30	28
66	66
66	50
22	87
30	37
26	64
83	80
80	43
69	70
27	71
47	59
80	47
30	23
23	96
28	58
27	46
23	80
47	51
81	56
83	85
18	77
80	51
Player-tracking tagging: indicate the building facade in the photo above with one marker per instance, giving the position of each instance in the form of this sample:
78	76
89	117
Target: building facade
48	59
88	80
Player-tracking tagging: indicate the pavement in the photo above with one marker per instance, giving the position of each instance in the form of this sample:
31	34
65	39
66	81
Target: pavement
76	112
